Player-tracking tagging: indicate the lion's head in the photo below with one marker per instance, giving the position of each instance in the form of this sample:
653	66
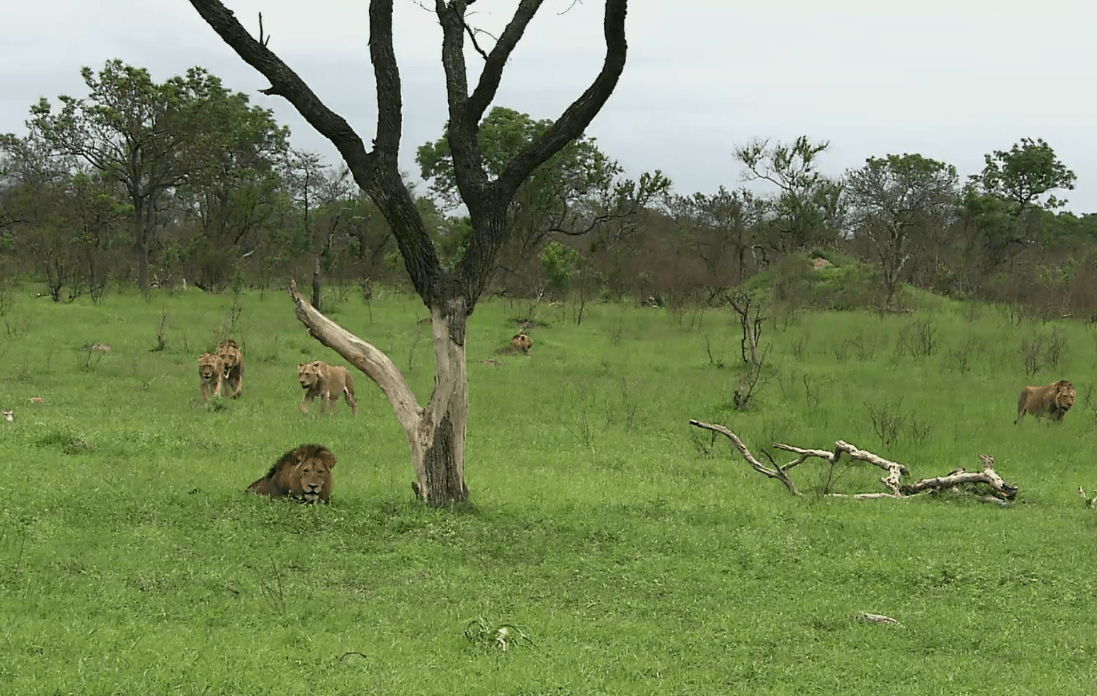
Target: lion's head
519	345
304	473
210	366
1064	396
229	351
522	342
309	374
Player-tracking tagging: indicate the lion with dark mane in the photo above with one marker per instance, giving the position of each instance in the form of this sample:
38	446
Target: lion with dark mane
229	352
520	344
303	474
1052	401
211	371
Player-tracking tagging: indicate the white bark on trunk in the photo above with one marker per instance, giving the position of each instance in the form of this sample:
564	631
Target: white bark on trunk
436	434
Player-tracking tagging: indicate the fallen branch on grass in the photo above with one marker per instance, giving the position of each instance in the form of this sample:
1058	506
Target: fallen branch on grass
777	472
958	477
955	481
876	618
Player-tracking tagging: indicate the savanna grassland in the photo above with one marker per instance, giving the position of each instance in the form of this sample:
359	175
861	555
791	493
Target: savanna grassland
638	555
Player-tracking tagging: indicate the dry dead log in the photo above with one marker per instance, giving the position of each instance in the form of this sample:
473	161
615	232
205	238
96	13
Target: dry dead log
895	471
876	618
777	472
959	477
1000	491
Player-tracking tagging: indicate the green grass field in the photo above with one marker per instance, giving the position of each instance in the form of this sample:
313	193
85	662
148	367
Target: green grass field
637	554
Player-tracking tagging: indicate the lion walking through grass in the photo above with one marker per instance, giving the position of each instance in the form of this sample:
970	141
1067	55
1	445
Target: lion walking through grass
1051	402
328	382
229	352
211	373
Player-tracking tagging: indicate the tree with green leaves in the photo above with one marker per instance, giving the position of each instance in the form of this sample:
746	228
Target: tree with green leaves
311	185
722	228
63	219
231	190
133	130
435	432
560	263
1024	175
1007	201
806	209
576	192
898	202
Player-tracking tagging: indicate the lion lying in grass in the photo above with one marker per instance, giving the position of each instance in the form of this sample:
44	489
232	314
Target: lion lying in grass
1052	401
328	382
303	474
211	372
519	345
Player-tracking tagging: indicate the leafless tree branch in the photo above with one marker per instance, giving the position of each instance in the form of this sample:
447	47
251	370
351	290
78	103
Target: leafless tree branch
284	82
1000	491
472	37
263	41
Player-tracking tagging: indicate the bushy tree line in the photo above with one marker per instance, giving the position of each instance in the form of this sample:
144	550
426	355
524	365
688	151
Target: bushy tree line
152	183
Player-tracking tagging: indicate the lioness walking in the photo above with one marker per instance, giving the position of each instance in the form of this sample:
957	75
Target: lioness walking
328	382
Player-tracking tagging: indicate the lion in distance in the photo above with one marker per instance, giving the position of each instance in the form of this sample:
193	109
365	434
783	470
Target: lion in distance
1052	401
328	382
303	474
229	352
519	345
211	372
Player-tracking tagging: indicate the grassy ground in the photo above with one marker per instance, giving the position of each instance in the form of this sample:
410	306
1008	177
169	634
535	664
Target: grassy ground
638	555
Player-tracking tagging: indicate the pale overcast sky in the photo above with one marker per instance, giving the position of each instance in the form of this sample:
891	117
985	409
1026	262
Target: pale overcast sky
952	80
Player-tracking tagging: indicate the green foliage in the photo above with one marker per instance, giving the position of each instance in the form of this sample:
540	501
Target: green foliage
576	170
1025	173
188	135
1064	225
64	220
578	191
720	229
846	284
807	207
1005	204
560	262
900	203
232	191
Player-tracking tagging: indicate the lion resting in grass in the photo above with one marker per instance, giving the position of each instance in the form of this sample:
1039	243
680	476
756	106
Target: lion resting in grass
303	474
520	344
230	353
328	382
211	370
1052	401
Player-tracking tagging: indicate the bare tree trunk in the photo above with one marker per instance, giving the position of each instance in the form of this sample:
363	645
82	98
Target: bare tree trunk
436	434
316	289
141	242
751	315
443	445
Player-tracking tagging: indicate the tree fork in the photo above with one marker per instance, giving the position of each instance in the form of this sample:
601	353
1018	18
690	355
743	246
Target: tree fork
436	434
